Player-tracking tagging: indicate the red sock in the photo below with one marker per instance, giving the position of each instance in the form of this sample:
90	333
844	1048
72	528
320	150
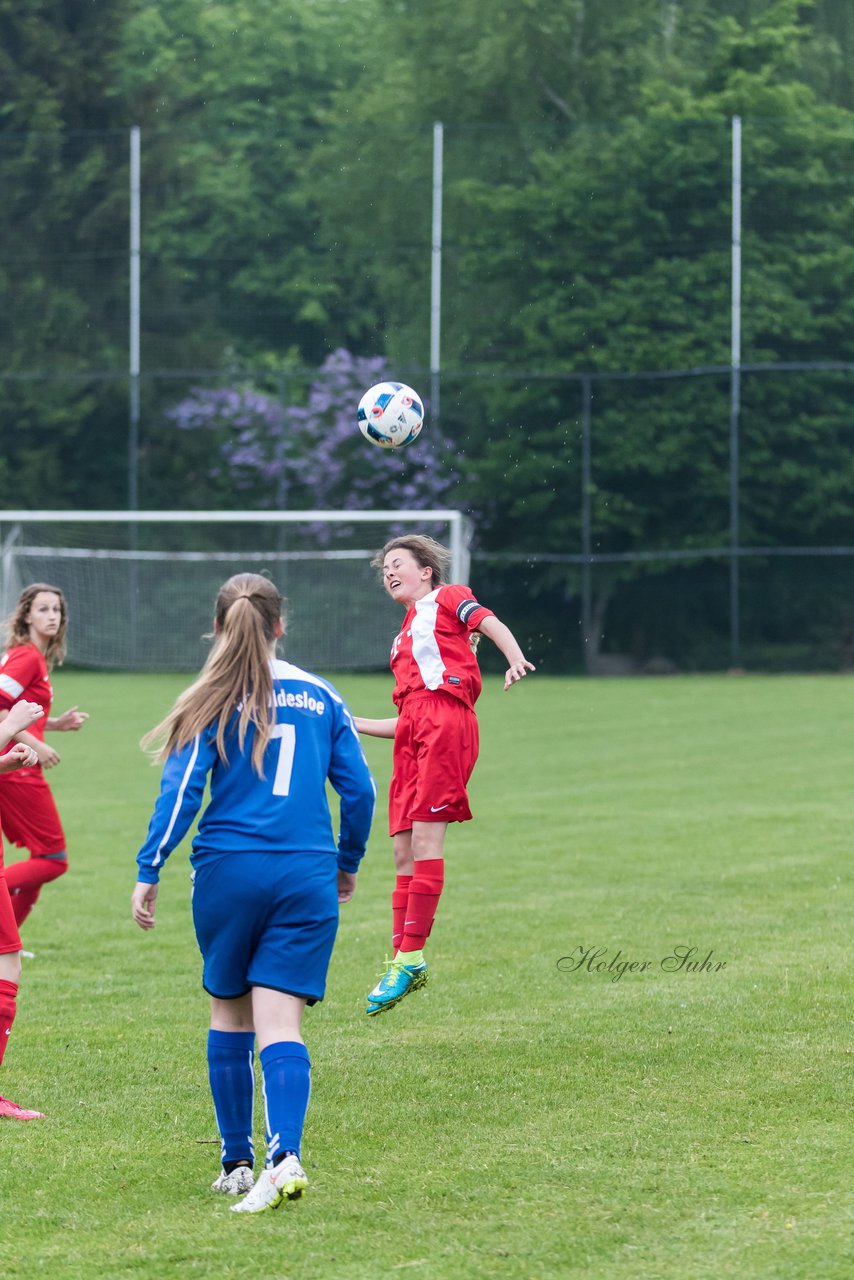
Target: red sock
399	899
23	901
424	893
8	1009
26	878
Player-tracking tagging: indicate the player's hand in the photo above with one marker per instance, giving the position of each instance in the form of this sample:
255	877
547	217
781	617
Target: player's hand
22	715
70	719
142	903
516	671
48	756
346	885
18	757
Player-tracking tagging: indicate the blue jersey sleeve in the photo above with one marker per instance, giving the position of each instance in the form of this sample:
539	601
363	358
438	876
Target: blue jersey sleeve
354	783
182	787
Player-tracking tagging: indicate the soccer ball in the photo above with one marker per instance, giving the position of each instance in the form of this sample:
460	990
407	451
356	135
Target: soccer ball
390	415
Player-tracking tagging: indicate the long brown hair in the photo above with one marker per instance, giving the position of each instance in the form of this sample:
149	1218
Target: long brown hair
18	628
235	677
428	553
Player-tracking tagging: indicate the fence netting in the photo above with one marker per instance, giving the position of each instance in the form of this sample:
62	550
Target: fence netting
583	414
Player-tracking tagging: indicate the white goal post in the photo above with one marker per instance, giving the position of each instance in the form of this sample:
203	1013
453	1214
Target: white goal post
141	585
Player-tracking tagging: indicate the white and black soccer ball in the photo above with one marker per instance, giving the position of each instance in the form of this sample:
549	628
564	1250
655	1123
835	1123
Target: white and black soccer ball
390	415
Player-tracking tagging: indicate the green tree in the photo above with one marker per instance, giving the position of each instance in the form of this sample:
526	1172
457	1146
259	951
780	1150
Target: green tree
61	236
231	99
573	244
286	187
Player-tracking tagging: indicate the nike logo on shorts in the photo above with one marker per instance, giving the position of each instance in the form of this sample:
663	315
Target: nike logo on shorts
437	808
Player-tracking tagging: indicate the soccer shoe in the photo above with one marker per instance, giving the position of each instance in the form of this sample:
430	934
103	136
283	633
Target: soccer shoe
397	981
236	1183
13	1112
286	1181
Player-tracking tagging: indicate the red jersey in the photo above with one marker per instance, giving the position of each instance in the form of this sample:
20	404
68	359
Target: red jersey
433	649
24	674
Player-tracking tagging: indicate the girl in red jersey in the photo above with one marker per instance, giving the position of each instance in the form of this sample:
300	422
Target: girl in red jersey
21	716
437	682
28	816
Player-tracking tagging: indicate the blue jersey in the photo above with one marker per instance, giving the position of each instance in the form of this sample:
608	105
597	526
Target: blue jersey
286	811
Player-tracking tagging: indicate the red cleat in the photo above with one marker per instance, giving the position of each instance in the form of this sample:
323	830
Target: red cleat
14	1112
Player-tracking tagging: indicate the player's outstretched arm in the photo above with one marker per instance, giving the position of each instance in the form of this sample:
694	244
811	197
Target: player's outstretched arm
503	637
376	728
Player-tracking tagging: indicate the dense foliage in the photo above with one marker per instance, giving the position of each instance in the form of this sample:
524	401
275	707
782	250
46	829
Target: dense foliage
287	158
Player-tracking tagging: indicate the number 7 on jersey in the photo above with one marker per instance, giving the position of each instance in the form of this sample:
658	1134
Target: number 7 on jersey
287	735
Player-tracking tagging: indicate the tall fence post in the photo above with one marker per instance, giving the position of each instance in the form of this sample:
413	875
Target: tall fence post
436	270
133	377
133	354
735	400
586	534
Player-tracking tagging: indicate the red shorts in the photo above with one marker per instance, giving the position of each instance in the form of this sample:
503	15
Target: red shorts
435	749
10	940
29	818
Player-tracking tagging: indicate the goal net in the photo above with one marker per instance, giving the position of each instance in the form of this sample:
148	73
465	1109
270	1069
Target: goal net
141	586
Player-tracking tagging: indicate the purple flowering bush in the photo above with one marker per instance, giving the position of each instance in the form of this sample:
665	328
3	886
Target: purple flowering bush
313	455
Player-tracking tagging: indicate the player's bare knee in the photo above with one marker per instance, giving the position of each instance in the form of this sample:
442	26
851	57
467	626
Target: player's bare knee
402	847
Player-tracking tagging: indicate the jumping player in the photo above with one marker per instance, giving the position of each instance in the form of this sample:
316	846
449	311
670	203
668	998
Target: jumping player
19	756
268	877
35	644
437	682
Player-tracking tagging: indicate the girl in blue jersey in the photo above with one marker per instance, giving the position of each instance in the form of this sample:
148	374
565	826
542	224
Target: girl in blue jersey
268	876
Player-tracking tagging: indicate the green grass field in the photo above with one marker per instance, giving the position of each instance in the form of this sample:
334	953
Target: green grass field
520	1117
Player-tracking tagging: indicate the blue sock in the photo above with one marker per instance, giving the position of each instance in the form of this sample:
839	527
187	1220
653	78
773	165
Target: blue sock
231	1073
286	1072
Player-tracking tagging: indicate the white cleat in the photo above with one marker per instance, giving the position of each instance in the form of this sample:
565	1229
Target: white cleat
236	1183
287	1181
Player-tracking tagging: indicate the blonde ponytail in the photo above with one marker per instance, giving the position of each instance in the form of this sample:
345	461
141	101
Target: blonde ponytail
235	677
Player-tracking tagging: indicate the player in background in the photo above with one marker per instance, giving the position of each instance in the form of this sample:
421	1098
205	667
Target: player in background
35	643
268	876
19	756
437	682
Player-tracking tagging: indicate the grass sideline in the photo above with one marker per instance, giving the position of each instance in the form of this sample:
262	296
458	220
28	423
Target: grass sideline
517	1119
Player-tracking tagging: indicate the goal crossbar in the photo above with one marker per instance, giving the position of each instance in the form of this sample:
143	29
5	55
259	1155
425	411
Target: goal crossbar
228	517
456	521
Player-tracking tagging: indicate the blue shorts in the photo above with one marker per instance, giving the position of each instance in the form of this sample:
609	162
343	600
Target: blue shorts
266	920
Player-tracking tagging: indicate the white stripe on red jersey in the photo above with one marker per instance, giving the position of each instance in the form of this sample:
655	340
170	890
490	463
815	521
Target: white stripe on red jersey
433	649
10	686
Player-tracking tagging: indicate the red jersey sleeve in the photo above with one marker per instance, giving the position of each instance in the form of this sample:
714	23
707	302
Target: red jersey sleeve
24	674
20	674
461	602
